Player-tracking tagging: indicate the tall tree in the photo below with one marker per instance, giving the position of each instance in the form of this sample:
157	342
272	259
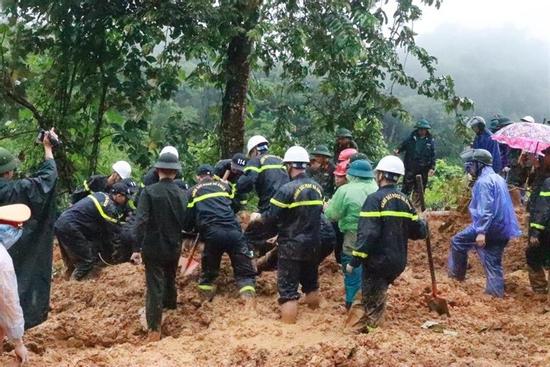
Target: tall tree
352	47
73	65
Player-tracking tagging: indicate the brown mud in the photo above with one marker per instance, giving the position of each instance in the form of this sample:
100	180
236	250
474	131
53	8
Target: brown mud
96	322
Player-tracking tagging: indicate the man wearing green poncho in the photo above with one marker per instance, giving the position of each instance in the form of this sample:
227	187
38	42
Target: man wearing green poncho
344	207
32	253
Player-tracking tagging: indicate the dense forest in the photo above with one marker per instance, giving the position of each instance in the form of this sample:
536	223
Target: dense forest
121	79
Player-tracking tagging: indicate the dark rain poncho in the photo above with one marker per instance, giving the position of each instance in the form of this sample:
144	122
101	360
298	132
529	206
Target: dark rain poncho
32	254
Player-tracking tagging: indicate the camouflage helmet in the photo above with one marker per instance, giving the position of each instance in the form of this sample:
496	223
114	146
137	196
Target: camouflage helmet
344	133
8	162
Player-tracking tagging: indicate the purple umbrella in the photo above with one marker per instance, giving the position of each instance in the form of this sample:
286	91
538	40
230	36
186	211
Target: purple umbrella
527	136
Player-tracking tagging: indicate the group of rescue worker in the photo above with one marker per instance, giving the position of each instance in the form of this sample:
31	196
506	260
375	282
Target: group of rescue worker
310	204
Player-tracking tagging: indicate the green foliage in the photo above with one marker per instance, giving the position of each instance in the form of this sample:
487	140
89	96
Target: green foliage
446	186
98	71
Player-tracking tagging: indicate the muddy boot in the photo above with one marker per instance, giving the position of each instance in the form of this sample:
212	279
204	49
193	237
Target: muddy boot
313	299
357	320
289	312
207	292
538	281
153	336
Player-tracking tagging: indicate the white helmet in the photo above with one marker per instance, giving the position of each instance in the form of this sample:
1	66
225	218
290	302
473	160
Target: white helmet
169	149
123	169
296	154
528	119
391	164
254	141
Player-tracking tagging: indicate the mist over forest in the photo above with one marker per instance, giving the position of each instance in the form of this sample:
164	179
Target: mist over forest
502	70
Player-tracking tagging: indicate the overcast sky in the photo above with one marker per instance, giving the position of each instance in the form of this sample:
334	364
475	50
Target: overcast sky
529	16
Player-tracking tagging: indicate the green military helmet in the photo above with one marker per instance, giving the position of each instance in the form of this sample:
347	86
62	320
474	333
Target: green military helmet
360	168
168	161
321	150
477	155
422	124
8	162
344	133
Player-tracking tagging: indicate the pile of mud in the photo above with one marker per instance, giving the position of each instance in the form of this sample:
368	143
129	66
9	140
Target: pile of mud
96	323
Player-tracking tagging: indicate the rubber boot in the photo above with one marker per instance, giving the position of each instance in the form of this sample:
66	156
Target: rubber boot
289	312
356	321
313	299
538	281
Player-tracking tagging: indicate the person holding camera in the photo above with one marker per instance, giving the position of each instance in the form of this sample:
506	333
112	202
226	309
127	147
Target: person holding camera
32	253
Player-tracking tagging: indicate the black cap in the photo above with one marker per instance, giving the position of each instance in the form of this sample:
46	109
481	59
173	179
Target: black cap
238	162
204	170
121	188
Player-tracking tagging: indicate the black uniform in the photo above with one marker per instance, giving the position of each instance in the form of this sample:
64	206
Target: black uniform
82	228
419	159
97	183
32	253
127	239
267	174
538	257
160	219
387	220
296	209
239	199
327	245
209	205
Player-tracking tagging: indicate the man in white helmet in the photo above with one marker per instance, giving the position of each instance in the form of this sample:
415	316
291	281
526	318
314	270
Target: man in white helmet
263	171
101	183
386	222
295	210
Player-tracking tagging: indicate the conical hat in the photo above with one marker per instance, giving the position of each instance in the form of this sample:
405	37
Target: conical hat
15	213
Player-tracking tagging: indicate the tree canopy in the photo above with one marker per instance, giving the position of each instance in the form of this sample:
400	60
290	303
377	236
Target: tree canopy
97	71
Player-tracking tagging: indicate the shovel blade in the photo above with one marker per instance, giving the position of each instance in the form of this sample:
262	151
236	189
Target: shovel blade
439	305
188	266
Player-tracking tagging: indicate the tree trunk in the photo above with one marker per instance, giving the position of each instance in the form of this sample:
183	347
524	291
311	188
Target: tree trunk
237	70
96	138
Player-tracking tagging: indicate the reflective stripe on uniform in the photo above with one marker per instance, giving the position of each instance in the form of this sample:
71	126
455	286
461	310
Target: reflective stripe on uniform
545	193
206	287
209	196
247	288
264	168
132	204
360	254
537	226
388	213
86	187
296	204
100	209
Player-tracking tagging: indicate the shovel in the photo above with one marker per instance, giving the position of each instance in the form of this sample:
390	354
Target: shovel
189	264
435	303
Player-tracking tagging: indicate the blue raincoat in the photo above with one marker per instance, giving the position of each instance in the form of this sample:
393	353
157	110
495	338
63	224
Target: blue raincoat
484	141
492	214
